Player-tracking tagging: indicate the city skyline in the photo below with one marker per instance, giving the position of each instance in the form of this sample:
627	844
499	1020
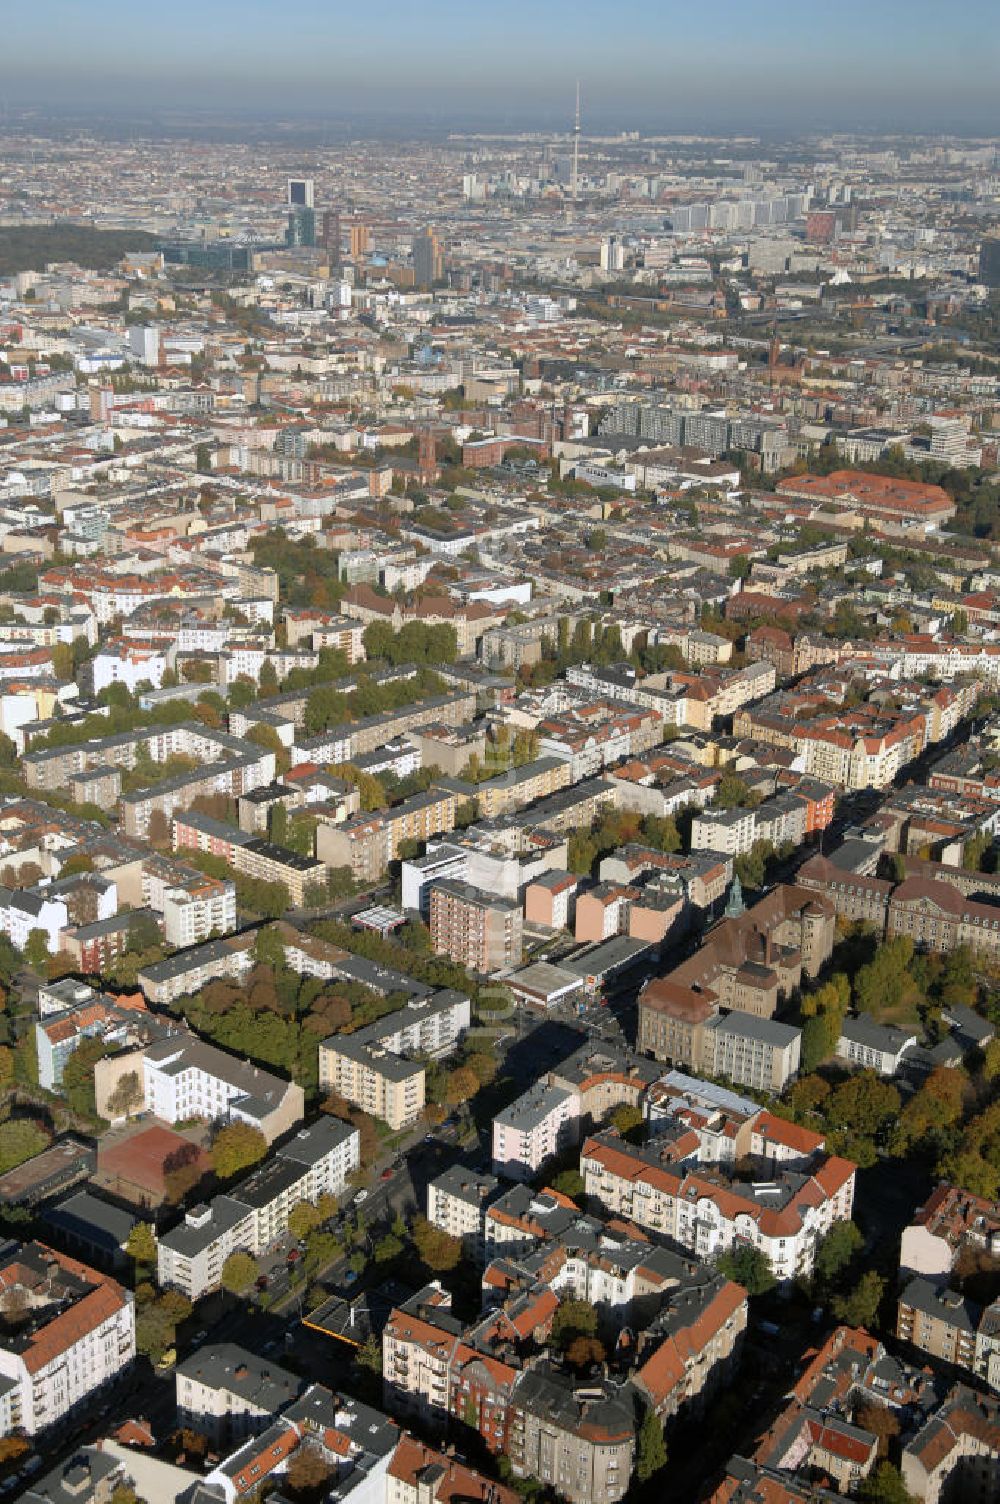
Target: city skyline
649	67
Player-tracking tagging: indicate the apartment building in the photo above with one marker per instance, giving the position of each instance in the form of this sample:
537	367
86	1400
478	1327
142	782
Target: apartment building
550	900
534	1129
187	1078
200	909
479	930
945	1325
578	1439
707	1212
301	875
76	1335
731	832
253	1216
380	1068
456	1202
956	1453
227	1393
419	1475
368	843
521	786
179	975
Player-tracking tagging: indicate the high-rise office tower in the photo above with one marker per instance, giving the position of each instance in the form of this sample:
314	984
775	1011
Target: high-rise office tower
301	193
361	241
330	238
301	228
428	259
989	263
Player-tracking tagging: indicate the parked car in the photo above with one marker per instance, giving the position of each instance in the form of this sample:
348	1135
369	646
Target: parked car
361	1196
262	1282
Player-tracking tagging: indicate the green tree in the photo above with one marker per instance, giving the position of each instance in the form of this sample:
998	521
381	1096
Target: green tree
860	1306
20	1139
884	1485
628	1120
238	1273
739	567
78	1075
570	1183
237	1146
836	1251
573	1318
36	950
651	1454
303	1219
749	1267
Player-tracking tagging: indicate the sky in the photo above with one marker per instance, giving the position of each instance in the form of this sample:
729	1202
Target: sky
910	65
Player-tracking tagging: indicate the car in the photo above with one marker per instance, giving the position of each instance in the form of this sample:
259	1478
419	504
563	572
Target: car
199	1337
386	1174
351	1277
262	1282
361	1196
293	1256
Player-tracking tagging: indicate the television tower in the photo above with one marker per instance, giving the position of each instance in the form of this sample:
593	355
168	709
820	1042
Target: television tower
575	181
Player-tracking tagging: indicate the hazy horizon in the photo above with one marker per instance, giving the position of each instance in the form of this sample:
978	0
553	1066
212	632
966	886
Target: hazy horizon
915	68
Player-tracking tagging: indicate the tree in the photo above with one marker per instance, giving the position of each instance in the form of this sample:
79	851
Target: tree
141	1245
835	1252
739	567
436	1248
78	1075
627	1119
20	1139
747	1266
570	1183
238	1273
236	1148
651	1454
303	1219
882	1422
203	459
388	1248
573	1318
885	1486
583	1352
36	950
308	1475
860	1306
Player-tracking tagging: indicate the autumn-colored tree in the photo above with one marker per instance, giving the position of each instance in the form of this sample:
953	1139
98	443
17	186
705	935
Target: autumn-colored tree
238	1272
462	1085
141	1245
308	1474
584	1352
302	1218
882	1422
237	1147
436	1248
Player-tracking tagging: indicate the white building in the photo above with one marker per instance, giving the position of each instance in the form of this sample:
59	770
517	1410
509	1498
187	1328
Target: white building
76	1335
457	1201
253	1217
873	1046
535	1128
192	914
785	1218
186	1078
